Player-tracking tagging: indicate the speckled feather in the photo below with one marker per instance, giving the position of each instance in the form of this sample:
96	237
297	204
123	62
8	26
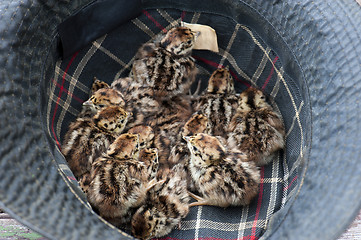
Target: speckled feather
87	138
147	154
168	125
119	181
218	103
139	100
167	66
101	98
166	205
222	178
256	129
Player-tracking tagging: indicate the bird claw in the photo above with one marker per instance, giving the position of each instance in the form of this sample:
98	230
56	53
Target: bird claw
199	203
196	92
196	197
199	200
154	182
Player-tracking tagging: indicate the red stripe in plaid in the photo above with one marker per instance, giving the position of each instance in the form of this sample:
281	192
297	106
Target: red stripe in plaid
271	73
289	185
59	96
207	238
67	92
216	65
234	75
209	62
259	203
71	178
154	21
183	15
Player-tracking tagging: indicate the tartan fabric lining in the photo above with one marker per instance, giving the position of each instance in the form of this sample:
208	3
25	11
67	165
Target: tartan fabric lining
251	63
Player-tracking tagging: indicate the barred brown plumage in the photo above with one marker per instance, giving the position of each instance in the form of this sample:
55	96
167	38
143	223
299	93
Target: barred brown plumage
196	124
146	135
119	181
218	103
99	99
166	205
147	154
87	138
168	125
167	66
223	178
123	185
256	129
139	100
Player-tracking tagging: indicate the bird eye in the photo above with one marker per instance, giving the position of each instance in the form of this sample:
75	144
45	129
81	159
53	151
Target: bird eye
194	148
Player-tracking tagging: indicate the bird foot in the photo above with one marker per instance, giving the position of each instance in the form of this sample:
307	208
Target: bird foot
199	200
196	197
197	91
199	203
154	182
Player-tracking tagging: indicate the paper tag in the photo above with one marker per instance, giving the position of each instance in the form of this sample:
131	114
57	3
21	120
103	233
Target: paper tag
207	40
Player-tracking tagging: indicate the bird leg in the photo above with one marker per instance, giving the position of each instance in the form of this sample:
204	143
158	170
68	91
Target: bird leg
179	226
200	201
196	92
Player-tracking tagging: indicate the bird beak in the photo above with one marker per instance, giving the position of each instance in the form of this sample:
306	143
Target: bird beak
186	138
88	103
156	152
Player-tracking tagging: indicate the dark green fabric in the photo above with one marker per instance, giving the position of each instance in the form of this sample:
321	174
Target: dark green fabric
94	21
249	64
317	43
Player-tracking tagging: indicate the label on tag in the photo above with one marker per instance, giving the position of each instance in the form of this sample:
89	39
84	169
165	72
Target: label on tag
207	40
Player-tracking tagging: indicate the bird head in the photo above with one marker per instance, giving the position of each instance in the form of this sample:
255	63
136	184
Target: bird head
104	97
144	223
179	41
111	119
221	82
146	135
205	149
252	99
196	124
126	146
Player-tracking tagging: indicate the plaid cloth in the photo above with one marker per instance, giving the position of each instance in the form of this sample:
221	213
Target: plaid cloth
251	62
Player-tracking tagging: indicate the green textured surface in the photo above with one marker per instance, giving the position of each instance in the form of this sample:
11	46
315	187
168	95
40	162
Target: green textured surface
11	229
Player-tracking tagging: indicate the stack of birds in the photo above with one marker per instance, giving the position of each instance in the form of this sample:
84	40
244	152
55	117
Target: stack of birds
143	146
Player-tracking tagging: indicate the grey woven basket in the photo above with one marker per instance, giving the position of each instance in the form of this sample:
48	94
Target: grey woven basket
304	54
